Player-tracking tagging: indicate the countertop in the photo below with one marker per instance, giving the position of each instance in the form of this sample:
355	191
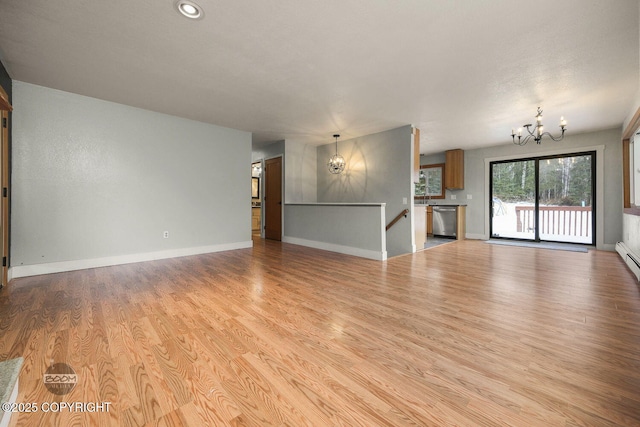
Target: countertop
439	204
335	204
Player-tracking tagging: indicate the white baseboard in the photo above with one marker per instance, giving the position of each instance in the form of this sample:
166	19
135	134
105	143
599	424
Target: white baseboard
59	267
332	247
472	236
629	257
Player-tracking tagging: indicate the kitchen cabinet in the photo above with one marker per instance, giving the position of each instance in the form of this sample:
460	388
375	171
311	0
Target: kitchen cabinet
255	219
454	169
419	214
461	223
460	215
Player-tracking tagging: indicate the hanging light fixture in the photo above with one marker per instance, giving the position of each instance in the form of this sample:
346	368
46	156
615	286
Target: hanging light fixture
537	132
336	163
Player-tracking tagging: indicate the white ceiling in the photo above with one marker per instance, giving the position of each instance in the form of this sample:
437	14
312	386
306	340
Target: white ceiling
463	71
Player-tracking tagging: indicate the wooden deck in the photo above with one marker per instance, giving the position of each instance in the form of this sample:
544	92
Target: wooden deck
280	335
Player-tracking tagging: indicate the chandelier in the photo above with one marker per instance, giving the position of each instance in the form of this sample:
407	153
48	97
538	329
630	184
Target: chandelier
336	163
537	132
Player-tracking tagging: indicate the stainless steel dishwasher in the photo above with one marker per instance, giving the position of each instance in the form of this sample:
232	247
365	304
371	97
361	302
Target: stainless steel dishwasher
445	221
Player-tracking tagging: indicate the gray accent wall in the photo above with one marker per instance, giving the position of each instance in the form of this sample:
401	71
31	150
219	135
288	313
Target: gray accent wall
379	170
354	229
97	179
301	172
474	162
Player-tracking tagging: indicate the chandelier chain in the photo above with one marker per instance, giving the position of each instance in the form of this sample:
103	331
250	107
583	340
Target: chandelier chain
336	162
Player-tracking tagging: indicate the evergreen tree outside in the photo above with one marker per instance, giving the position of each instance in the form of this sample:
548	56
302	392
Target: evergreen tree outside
564	196
564	181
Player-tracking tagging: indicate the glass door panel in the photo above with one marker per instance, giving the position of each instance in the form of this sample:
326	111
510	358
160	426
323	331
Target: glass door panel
513	186
565	199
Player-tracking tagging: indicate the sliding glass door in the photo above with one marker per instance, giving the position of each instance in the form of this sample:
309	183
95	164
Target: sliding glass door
514	193
544	198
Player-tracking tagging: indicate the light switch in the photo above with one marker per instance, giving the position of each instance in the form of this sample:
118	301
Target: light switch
469	196
404	200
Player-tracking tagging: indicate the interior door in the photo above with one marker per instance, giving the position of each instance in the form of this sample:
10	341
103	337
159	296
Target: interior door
4	197
273	199
5	107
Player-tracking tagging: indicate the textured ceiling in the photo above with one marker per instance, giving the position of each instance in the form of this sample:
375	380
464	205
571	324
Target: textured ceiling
463	71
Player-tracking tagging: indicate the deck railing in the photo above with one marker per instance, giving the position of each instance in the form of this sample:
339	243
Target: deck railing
556	220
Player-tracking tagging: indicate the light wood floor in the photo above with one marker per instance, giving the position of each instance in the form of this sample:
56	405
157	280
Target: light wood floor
281	335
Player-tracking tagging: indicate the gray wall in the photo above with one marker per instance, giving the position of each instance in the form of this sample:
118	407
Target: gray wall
301	173
432	159
274	149
636	103
351	229
299	168
379	170
631	235
474	162
97	179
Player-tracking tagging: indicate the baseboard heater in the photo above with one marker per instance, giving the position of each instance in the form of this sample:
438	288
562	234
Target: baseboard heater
630	258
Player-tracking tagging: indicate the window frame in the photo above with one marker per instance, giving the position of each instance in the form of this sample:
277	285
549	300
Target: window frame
627	174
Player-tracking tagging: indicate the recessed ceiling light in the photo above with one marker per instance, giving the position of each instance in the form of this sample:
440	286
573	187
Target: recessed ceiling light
189	9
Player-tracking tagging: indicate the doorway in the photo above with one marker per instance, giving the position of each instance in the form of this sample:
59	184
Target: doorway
547	198
256	205
272	200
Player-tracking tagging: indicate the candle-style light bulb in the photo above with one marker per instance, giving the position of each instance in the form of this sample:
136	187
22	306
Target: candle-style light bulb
536	131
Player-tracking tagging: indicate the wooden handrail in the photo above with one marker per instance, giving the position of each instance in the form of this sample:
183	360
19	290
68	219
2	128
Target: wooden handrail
397	218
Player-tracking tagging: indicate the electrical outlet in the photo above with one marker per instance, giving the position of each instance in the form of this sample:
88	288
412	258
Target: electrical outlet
165	234
469	196
453	197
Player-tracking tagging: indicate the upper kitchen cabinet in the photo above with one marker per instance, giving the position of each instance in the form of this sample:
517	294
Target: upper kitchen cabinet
454	169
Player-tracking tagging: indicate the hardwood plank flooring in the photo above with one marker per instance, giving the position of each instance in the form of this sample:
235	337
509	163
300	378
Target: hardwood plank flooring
465	334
